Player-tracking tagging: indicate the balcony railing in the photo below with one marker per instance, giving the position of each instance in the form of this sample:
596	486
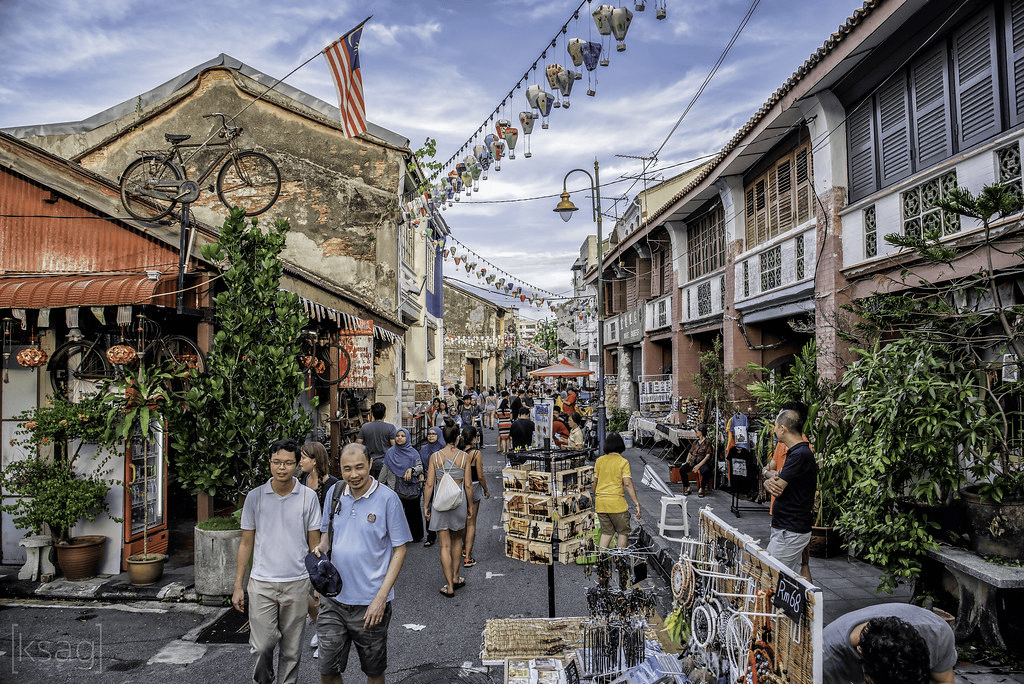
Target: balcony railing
703	297
659	313
786	261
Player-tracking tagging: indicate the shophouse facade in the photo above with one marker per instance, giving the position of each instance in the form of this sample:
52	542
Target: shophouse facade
786	224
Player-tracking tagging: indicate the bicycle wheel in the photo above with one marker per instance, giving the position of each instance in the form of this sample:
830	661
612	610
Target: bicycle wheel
249	180
344	363
76	367
181	352
140	194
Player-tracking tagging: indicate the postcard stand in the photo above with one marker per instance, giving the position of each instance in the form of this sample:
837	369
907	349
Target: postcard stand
547	509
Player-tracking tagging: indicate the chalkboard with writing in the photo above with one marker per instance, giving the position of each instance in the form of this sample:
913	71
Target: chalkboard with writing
789	596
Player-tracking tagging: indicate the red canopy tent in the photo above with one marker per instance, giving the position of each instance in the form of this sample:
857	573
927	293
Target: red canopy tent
562	369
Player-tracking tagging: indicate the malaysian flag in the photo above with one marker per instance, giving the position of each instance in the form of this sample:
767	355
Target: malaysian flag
343	59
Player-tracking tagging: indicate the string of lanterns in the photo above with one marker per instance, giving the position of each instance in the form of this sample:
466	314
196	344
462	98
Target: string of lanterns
502	281
485	149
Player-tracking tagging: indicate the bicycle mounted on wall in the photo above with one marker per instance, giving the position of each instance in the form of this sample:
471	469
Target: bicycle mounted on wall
157	180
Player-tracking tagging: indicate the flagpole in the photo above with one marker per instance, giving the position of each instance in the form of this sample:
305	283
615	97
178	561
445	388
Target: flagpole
278	81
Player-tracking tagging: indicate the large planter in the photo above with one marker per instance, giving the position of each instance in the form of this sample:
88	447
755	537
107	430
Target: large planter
995	529
825	542
216	558
145	569
79	556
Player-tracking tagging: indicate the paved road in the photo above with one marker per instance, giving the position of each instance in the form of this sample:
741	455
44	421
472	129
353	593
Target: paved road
151	642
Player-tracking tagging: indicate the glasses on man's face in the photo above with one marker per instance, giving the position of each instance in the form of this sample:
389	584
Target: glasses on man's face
282	464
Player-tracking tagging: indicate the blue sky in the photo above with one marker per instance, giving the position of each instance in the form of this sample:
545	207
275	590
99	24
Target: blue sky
438	68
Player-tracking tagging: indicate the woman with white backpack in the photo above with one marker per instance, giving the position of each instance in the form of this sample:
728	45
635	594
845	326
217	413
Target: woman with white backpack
448	511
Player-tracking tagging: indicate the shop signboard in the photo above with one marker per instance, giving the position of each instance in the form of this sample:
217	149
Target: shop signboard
631	325
355	356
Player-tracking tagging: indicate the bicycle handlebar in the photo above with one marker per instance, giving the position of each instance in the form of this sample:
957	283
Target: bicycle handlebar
225	130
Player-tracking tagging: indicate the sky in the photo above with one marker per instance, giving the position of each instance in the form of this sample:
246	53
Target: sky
438	69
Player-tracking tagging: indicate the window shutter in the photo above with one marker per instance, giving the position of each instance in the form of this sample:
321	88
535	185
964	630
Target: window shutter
785	186
656	260
893	130
932	124
751	224
974	59
1015	58
760	212
860	128
804	186
667	277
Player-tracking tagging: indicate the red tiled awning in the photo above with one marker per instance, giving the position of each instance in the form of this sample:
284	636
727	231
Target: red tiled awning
63	291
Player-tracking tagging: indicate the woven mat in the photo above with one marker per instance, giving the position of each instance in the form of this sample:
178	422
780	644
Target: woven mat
535	637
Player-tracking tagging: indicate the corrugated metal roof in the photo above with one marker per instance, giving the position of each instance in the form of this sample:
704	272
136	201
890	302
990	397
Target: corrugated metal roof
62	291
177	83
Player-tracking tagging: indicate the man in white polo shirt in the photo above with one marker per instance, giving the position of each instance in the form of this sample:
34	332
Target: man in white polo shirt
370	534
280	525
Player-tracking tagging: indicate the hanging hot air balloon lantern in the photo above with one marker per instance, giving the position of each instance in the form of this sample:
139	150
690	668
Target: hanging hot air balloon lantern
458	260
511	136
545	101
455	179
575	49
591	53
565	79
639	5
662	6
496	146
603	20
552	71
621	19
483	157
475	172
467	177
526	121
532	93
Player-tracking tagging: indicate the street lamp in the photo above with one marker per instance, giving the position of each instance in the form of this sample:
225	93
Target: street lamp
565	209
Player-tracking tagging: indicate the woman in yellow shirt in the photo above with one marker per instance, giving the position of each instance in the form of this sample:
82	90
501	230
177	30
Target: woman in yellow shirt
611	480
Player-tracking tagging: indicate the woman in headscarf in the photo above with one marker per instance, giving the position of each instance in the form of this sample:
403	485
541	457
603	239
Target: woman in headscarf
403	472
435	442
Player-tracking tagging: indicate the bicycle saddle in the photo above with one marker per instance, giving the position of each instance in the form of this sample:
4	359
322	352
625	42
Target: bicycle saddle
176	138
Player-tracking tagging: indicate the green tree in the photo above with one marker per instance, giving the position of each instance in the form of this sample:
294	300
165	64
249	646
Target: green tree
247	397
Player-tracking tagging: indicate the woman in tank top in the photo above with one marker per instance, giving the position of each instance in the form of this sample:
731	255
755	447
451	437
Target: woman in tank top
468	443
449	525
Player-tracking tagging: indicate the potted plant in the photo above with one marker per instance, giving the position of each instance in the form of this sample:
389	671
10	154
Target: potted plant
50	494
248	396
139	400
216	550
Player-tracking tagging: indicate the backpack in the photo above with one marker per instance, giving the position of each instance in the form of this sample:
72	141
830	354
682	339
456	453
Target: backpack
449	494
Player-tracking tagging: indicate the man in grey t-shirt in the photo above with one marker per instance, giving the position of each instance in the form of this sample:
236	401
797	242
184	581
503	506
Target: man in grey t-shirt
280	525
891	643
377	436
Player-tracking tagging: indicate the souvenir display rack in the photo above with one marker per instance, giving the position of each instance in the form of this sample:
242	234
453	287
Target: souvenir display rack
741	611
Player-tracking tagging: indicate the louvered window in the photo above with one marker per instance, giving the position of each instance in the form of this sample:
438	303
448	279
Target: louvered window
944	102
1010	169
870	232
705	242
977	98
921	216
746	279
780	198
721	286
656	260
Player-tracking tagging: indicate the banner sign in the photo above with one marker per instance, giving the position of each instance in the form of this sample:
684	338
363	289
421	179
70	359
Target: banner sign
355	356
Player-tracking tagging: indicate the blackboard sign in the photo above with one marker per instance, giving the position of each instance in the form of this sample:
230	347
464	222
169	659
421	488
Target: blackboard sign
572	672
789	596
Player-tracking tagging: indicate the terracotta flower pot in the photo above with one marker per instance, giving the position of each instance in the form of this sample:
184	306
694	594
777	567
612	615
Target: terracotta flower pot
79	556
145	569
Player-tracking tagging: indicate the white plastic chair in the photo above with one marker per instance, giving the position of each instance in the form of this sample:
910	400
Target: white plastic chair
654	481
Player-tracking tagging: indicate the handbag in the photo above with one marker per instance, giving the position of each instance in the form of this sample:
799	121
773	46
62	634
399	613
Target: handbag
407	490
449	494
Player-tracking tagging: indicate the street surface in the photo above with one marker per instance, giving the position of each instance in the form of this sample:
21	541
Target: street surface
42	642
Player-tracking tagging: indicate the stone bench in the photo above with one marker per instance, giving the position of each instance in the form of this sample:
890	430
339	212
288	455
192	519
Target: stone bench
979	587
37	565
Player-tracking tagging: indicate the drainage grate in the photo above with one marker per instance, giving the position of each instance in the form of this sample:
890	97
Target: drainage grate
231	628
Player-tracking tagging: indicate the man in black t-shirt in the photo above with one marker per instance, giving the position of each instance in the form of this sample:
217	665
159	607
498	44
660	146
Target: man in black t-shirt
793	487
517	404
377	436
521	431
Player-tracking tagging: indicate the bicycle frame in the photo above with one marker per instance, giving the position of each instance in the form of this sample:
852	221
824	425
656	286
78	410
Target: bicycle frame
174	156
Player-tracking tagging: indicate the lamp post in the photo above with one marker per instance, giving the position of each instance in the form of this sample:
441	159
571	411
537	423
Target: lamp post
565	208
